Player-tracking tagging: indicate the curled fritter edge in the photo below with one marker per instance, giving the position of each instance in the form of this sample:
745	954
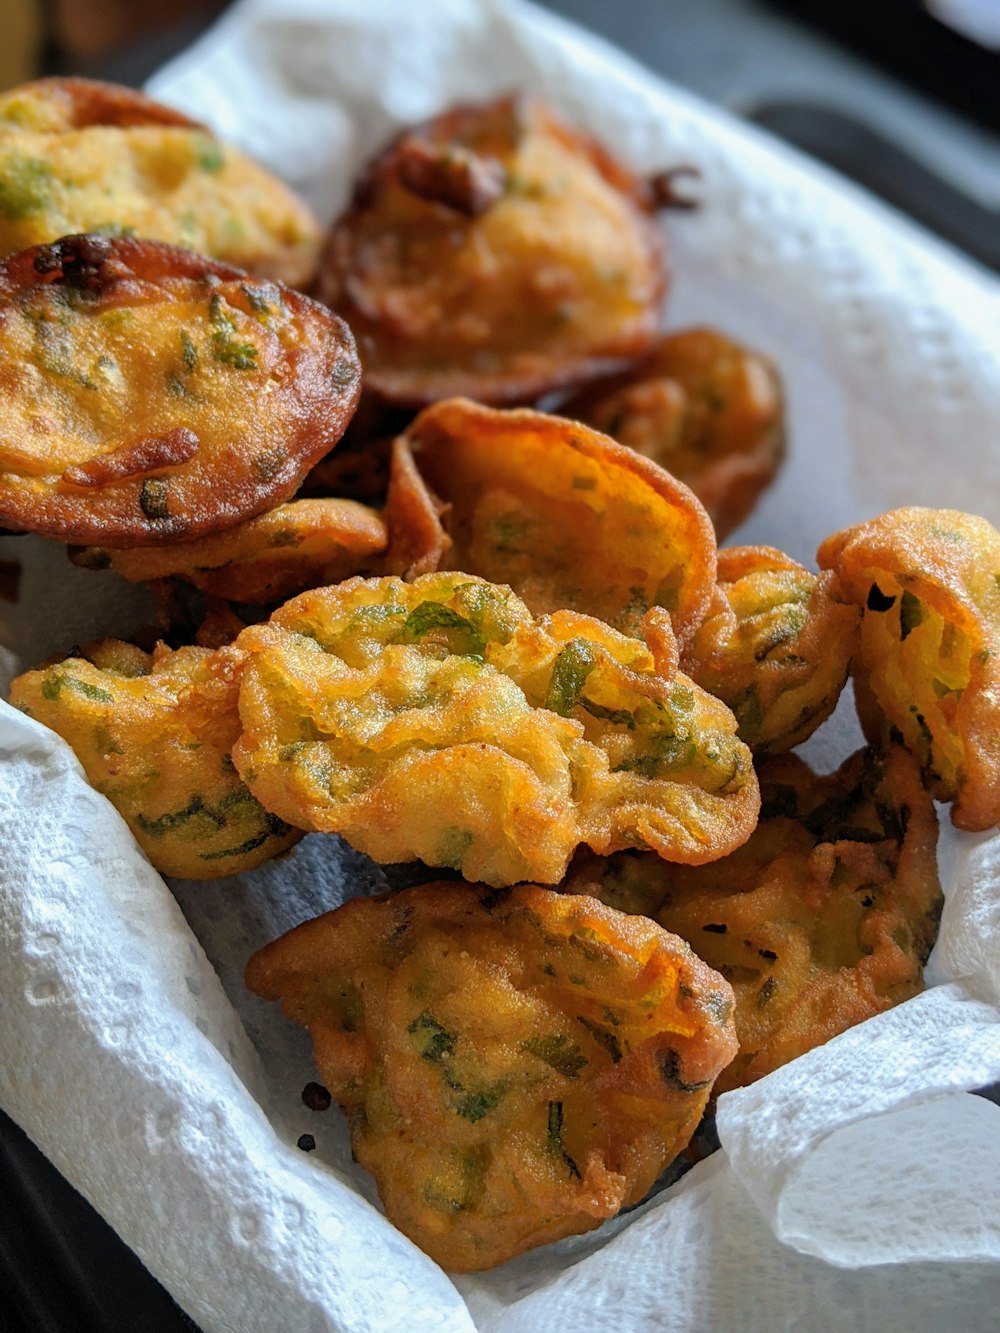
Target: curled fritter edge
158	396
436	720
704	407
775	646
496	253
824	918
517	1065
154	734
928	667
81	156
564	515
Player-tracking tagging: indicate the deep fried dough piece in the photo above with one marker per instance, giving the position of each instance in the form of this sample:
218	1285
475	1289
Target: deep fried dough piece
775	647
564	515
154	733
437	721
148	395
81	156
928	669
295	546
496	253
517	1065
822	919
704	407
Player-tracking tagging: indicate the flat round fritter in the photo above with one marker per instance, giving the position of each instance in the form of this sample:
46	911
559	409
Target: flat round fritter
517	1065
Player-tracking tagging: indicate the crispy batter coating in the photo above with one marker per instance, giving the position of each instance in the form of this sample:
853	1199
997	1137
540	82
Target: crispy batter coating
517	1065
496	253
437	721
295	546
928	668
704	407
566	516
148	395
776	646
154	734
80	156
822	919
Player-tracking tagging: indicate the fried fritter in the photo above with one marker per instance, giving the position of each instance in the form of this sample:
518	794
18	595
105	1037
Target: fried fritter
295	546
154	733
704	407
437	721
822	919
775	646
496	253
149	396
928	668
517	1065
565	516
79	156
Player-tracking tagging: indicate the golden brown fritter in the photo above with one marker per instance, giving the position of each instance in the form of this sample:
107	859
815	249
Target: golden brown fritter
154	734
517	1065
286	550
928	668
822	919
496	253
437	721
775	646
80	156
148	395
564	515
704	407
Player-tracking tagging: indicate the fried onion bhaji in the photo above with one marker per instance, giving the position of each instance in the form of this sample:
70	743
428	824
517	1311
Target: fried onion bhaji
775	646
437	721
824	918
81	156
149	395
704	407
496	253
517	1065
295	546
566	516
928	668
154	734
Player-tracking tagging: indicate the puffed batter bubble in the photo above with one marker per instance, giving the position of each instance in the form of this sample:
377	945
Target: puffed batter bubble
150	396
154	734
775	646
824	918
516	1065
928	668
436	720
564	515
496	253
81	156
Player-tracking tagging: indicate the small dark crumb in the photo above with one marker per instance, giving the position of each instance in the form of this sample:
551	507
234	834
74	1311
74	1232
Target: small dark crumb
306	1142
664	187
316	1097
715	928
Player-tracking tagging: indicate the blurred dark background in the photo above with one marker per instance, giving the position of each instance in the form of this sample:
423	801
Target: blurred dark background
902	96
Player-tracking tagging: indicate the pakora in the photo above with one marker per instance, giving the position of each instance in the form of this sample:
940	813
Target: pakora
295	546
517	1065
150	396
824	918
928	667
496	253
704	407
776	646
436	721
81	156
154	734
564	515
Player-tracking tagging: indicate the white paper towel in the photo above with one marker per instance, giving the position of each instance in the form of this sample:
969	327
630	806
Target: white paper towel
124	1049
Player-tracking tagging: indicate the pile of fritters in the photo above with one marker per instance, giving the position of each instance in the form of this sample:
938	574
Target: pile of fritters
492	640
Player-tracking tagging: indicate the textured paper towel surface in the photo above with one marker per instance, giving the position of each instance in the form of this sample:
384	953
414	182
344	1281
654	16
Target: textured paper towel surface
129	1048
